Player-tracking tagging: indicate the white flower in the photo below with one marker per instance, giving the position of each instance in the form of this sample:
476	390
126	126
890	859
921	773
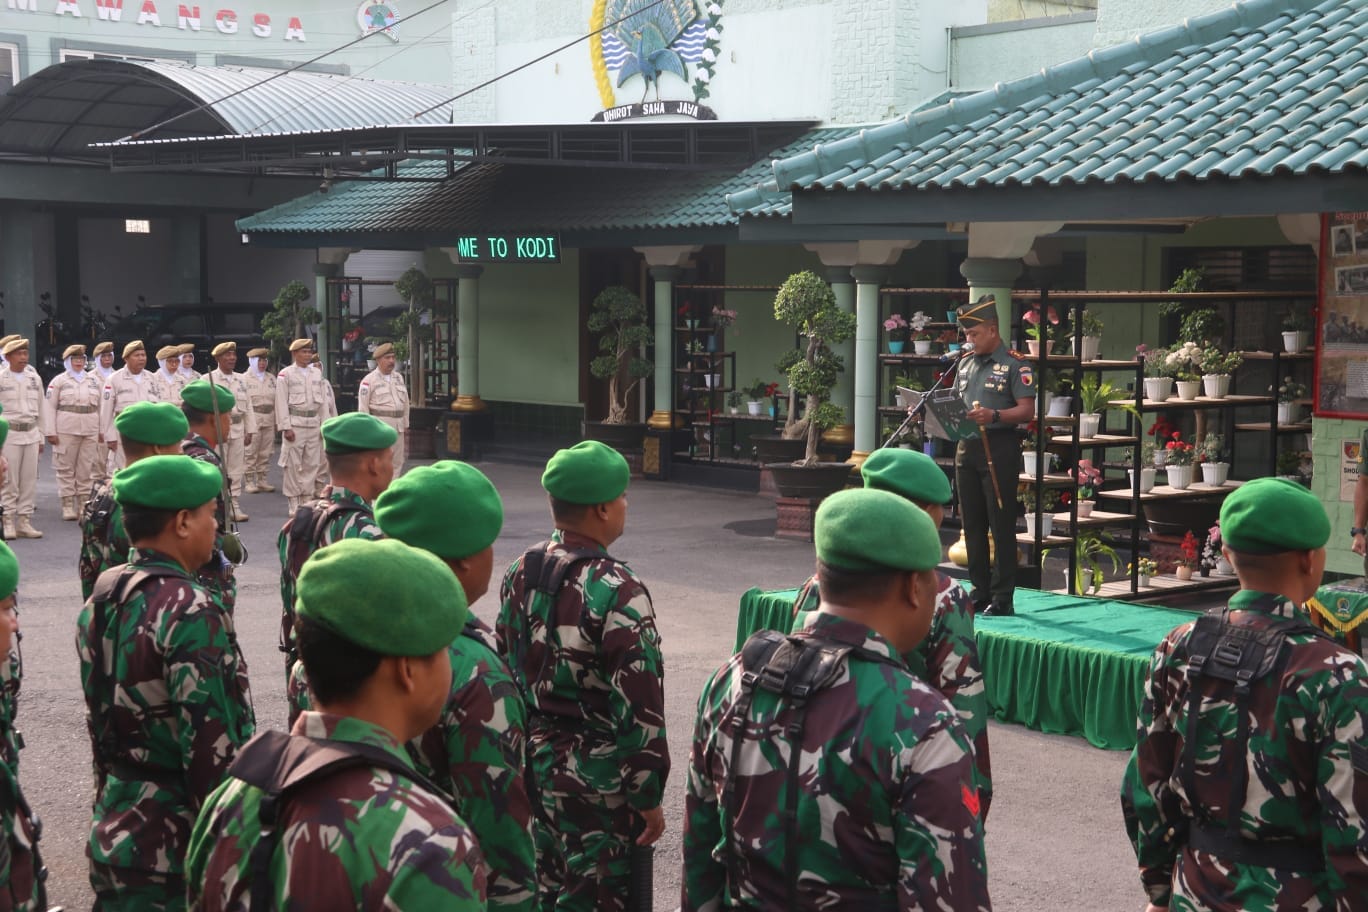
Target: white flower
709	56
703	76
713	34
714	9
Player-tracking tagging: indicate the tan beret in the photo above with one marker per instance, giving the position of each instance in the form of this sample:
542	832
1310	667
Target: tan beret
6	340
15	345
167	352
73	350
185	348
131	347
297	344
259	353
384	348
103	347
223	347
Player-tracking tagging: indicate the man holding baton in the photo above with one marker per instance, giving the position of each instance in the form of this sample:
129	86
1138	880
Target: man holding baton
996	385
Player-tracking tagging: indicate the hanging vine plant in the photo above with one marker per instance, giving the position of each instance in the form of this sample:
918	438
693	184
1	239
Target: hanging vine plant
706	67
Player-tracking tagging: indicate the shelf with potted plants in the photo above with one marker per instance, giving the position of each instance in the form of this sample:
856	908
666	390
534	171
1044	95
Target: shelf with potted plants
706	371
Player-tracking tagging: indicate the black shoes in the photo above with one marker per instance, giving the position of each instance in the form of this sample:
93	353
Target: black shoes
998	609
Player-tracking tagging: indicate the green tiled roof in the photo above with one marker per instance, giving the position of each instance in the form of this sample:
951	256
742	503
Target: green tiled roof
491	196
1266	87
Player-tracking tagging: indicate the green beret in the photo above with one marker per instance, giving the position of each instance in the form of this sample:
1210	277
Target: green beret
984	310
449	508
587	473
9	571
866	529
383	595
155	423
1269	515
355	432
907	473
198	395
4	431
168	483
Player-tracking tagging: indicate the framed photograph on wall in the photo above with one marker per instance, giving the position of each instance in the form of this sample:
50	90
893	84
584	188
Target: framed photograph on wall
1342	317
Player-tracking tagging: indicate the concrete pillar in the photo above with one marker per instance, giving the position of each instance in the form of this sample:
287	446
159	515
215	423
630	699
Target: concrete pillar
18	280
866	412
468	339
843	394
187	260
987	275
662	416
67	252
328	308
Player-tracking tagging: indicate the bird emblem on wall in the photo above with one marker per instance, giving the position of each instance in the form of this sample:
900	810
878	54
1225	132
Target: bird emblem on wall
648	31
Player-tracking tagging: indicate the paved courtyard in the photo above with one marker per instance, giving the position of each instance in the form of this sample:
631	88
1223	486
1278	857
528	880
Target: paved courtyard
1055	836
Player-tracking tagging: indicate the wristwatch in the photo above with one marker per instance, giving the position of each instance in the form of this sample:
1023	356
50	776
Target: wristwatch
997	417
1357	530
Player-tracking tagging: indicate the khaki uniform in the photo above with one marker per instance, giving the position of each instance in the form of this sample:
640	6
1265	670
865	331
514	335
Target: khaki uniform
263	404
386	397
244	423
21	396
102	469
121	390
304	400
71	413
172	384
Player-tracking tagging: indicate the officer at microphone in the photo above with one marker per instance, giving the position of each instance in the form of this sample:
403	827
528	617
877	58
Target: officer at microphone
996	385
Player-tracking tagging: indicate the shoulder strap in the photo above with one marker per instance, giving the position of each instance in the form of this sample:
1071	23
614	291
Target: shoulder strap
280	764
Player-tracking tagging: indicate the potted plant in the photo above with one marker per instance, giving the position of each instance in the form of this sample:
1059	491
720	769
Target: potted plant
896	327
1095	397
1091	547
415	289
1184	365
1144	569
734	402
1213	559
808	304
1058	395
1216	367
1037	329
755	396
1289	409
1188	556
921	338
619	319
1296	326
1162	431
1087	348
686	313
1030	457
1291	464
1087	476
1146	467
1039	504
1211	457
1158	379
286	321
1200	322
1178	465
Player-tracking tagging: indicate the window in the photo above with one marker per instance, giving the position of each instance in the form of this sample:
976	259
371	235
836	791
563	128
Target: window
9	66
66	54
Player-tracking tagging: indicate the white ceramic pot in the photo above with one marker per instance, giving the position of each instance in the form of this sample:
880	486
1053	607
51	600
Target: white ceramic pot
1216	386
1061	406
1289	412
1033	347
1088	425
733	410
1295	341
1144	580
1089	348
1044	520
1158	388
1085	508
1179	477
922	346
1223	567
1160	458
1188	389
1030	464
755	407
1146	480
1215	473
1085	580
1183	573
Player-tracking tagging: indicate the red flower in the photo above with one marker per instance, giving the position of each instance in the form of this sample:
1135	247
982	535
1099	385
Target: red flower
771	389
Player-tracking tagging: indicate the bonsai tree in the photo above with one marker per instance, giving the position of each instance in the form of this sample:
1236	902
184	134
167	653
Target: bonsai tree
808	304
289	315
415	288
619	317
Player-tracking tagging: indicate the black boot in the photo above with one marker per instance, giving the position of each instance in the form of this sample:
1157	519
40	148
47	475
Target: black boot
998	609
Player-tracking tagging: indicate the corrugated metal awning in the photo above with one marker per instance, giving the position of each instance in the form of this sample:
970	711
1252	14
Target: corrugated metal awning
58	112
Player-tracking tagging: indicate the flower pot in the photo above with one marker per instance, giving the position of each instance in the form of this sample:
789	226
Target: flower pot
1179	477
814	482
712	343
621	437
779	449
1289	412
1223	567
370	364
1060	407
1033	347
1088	426
922	346
1158	388
1160	458
1144	579
755	407
1045	522
1146	480
1089	348
1293	342
895	348
952	347
1030	462
348	344
951	316
733	410
1188	389
1216	386
1085	580
1085	508
1183	573
1214	474
692	324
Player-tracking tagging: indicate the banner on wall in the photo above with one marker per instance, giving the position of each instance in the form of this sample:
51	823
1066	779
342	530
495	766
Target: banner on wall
1342	321
655	58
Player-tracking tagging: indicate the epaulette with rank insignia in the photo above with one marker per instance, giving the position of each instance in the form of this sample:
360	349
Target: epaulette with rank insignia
1020	356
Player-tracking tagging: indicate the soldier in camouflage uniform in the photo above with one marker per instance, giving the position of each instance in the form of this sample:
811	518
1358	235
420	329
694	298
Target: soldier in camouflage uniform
1248	786
369	833
21	869
165	686
145	429
476	750
948	658
858	793
208	410
587	657
356	447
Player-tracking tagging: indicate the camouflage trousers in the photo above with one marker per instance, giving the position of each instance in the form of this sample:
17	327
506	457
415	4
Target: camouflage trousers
129	890
584	852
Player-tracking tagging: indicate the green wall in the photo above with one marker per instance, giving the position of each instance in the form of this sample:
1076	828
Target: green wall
529	329
757	338
1328	436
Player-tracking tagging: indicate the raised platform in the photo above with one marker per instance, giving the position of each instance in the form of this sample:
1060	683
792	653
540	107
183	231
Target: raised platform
1064	664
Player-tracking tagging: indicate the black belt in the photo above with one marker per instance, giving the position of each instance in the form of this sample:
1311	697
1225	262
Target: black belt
1283	854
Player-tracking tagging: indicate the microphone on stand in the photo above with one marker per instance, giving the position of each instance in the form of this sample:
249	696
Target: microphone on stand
965	349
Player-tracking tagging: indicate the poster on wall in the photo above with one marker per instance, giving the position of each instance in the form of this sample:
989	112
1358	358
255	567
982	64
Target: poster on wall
655	58
1349	469
1342	328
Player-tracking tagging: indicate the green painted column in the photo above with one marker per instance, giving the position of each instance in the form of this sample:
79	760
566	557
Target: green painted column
187	260
18	240
843	394
662	418
992	276
321	300
867	282
468	339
